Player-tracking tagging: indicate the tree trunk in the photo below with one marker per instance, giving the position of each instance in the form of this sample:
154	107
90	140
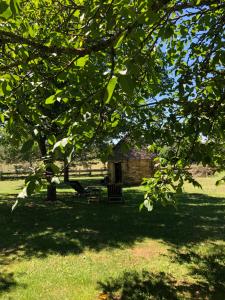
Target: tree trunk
51	187
66	173
51	192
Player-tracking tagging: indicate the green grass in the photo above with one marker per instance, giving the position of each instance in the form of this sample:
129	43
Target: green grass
74	250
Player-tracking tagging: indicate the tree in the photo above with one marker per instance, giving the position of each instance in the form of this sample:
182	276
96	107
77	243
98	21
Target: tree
73	72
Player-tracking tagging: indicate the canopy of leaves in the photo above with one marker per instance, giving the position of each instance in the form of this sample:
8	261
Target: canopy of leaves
77	72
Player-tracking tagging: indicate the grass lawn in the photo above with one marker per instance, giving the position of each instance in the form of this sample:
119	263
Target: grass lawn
78	251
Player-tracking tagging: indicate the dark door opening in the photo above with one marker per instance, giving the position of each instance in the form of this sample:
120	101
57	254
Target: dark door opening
118	172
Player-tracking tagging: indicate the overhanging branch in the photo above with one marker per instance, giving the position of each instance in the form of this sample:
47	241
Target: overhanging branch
104	43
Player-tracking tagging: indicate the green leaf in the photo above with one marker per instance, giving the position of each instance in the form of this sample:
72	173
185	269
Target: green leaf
55	180
61	144
15	6
22	194
80	62
2	118
166	32
31	186
89	134
148	204
51	139
5	88
120	40
9	8
53	98
110	89
141	206
127	84
50	100
3	7
6	14
31	31
115	123
70	155
14	205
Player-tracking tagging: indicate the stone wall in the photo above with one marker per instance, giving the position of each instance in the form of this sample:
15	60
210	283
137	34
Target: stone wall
133	171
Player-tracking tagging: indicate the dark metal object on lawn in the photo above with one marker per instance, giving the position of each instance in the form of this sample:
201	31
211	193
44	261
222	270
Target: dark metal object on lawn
115	193
93	194
77	187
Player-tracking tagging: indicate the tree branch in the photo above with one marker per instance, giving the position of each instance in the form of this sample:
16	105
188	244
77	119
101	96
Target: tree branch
10	37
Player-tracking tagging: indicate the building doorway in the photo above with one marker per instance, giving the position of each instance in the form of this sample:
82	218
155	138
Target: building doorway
118	172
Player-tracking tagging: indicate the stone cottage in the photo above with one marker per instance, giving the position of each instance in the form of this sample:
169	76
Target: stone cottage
128	166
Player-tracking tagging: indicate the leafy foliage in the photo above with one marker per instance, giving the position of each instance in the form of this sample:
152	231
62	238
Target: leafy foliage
76	73
14	150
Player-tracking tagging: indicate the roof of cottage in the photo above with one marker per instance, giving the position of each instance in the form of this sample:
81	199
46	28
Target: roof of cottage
123	150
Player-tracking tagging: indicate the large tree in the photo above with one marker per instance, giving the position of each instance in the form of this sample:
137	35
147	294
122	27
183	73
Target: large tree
73	72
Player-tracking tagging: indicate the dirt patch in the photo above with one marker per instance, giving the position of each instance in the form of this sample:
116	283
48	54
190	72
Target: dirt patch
147	250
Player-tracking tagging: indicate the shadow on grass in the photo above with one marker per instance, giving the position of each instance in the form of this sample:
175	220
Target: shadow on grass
71	225
139	286
209	268
7	282
158	286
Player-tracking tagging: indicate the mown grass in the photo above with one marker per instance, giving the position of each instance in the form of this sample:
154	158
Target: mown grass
74	250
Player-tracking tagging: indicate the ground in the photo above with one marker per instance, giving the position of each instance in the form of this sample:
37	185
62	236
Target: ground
75	250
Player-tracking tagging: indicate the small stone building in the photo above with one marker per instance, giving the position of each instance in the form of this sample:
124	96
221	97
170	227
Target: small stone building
129	166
